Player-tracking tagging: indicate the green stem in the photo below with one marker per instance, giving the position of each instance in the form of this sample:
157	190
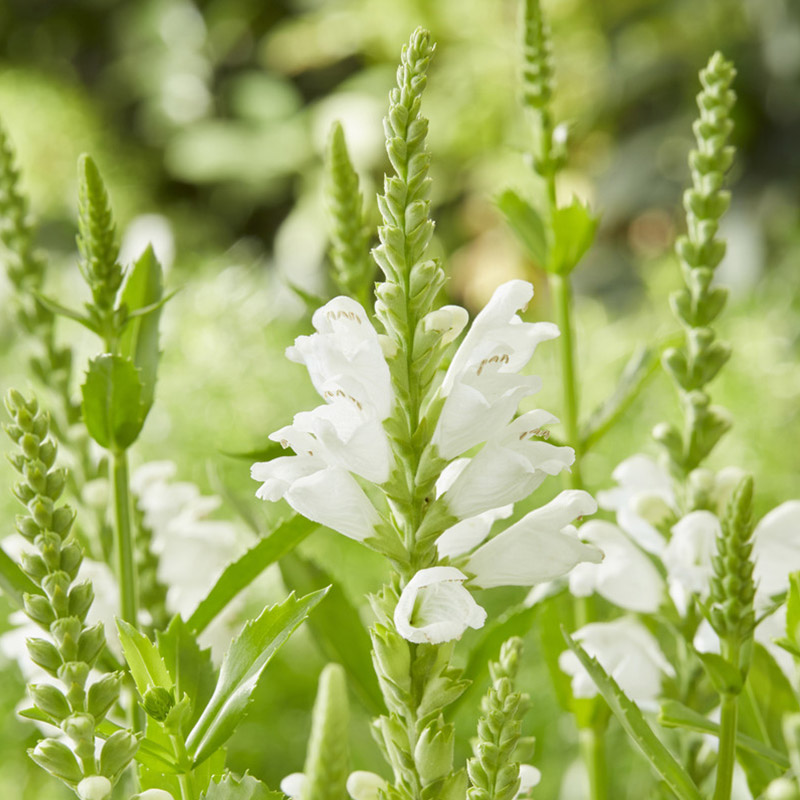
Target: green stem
185	779
562	296
593	749
727	747
126	566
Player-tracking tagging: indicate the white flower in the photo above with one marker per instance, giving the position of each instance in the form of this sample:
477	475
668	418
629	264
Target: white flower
95	787
529	777
537	548
327	495
365	785
776	549
344	358
641	481
154	794
688	555
435	607
449	321
507	468
482	386
294	785
625	577
627	651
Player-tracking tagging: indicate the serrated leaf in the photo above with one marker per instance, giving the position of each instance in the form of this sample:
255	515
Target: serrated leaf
248	655
112	407
145	662
56	308
189	666
573	228
242	572
724	676
337	628
13	581
527	224
244	788
143	288
636	726
676	715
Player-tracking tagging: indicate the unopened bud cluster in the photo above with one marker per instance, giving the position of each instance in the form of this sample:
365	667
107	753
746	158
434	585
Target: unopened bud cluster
494	770
60	608
693	365
732	586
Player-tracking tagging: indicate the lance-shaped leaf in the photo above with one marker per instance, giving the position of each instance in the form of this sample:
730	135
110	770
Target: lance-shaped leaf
244	788
635	725
242	572
248	655
112	401
527	224
143	287
573	229
145	662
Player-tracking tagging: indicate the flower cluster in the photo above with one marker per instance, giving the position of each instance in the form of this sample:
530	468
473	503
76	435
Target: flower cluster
344	458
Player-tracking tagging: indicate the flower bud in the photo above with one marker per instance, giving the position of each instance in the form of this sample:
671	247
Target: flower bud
103	693
74	673
57	759
91	643
27	527
433	754
157	702
33	565
95	787
392	656
44	654
782	789
448	320
79	727
117	752
154	794
49	699
38	608
365	785
71	559
62	521
80	599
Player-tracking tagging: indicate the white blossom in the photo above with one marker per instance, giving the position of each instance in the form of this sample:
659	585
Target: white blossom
95	787
776	549
154	794
627	651
529	777
435	607
363	785
294	785
482	386
625	576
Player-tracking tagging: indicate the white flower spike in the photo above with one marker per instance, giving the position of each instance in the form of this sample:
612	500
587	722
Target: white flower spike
435	607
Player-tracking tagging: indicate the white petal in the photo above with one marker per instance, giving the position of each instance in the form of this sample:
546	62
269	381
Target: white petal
294	785
625	577
469	533
776	548
534	549
435	607
280	474
529	777
448	320
365	785
688	555
628	652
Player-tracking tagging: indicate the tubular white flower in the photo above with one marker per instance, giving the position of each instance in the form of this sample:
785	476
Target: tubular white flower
345	356
627	651
507	468
640	478
363	785
447	320
529	777
294	785
95	787
482	386
435	607
535	549
327	495
625	577
688	555
776	549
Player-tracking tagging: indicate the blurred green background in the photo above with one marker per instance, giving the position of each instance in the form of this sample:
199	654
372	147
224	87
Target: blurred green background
208	120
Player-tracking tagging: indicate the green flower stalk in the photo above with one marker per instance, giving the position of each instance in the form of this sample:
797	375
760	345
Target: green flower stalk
77	706
700	251
326	767
353	268
494	772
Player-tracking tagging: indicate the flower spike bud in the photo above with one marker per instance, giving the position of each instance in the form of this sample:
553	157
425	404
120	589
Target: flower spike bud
537	70
326	766
352	266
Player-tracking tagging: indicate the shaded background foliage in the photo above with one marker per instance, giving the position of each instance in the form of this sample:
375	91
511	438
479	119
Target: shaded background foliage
214	115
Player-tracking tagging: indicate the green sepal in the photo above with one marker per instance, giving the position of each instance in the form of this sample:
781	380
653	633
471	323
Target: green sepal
112	402
245	661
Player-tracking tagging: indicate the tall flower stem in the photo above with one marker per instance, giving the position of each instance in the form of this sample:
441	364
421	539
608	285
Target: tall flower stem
126	565
727	747
593	750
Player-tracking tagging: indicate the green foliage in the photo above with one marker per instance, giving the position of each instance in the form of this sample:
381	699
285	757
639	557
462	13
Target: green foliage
349	251
572	229
112	402
327	758
527	224
245	788
245	661
494	772
144	661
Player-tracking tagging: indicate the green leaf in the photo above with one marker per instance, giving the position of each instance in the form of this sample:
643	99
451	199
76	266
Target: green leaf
527	224
13	581
245	788
189	666
248	655
269	451
635	725
676	715
112	408
573	230
145	662
248	567
337	628
793	610
56	308
767	698
143	287
724	676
